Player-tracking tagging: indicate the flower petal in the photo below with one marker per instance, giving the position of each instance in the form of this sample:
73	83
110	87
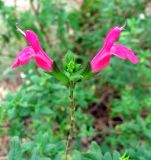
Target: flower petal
96	67
123	53
43	61
111	37
33	40
23	57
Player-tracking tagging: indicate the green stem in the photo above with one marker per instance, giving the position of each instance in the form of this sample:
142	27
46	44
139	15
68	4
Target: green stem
72	119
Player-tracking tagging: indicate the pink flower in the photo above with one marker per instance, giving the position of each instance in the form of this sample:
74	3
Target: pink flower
33	50
102	59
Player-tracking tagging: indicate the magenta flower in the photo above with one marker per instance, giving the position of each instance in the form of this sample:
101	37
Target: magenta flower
102	59
33	50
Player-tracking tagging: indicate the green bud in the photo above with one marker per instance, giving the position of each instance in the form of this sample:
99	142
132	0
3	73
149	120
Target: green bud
70	67
69	62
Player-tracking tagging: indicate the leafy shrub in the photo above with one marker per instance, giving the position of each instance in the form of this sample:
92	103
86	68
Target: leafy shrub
40	107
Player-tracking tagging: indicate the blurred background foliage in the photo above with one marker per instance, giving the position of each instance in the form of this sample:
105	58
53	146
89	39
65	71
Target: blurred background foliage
113	109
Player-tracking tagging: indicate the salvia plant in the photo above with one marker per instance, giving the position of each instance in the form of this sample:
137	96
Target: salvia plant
72	72
94	153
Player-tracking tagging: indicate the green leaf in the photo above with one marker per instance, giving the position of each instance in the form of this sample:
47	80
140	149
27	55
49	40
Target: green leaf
107	156
46	110
59	156
116	155
77	155
15	152
88	156
95	150
35	155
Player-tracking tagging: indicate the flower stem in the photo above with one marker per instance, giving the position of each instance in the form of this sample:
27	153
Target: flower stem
72	119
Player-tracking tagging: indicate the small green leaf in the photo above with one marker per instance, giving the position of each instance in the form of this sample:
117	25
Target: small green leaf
116	155
35	155
107	156
15	152
77	155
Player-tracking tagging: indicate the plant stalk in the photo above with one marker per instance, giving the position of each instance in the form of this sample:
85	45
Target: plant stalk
72	119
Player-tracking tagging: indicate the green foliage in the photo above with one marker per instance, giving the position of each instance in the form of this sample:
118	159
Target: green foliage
19	152
38	103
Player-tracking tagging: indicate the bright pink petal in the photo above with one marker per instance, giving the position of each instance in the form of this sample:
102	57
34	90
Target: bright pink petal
33	40
111	37
46	56
104	62
23	57
102	53
43	61
123	53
